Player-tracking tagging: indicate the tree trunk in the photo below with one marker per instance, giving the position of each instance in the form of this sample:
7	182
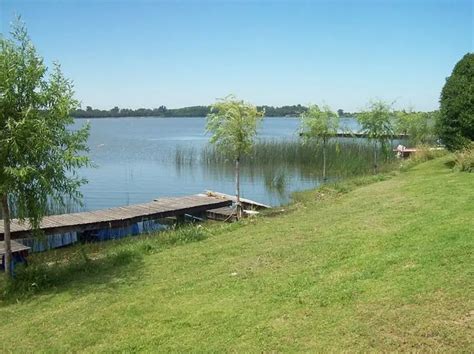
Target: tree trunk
375	158
237	187
324	160
6	233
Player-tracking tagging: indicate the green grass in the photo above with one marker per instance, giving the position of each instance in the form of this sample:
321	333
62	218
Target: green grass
377	264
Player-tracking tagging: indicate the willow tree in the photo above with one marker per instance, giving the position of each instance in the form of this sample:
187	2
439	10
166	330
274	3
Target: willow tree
418	126
320	125
377	124
233	126
39	153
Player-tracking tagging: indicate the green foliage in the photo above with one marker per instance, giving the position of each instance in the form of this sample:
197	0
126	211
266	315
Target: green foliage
464	159
377	122
38	153
233	124
193	111
419	126
283	111
319	124
423	153
456	119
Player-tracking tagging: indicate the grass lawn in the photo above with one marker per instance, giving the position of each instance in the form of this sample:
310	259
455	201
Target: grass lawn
384	266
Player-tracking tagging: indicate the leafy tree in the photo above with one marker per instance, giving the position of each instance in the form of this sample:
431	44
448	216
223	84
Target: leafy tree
39	155
377	123
115	111
233	124
320	125
419	126
456	120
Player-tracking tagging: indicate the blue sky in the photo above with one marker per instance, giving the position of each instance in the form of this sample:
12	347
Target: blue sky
179	53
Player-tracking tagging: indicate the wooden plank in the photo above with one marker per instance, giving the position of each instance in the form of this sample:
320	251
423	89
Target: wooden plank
359	135
16	247
245	201
115	217
222	214
364	136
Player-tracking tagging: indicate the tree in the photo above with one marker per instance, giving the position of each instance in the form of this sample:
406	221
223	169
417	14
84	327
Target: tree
39	154
115	111
233	124
456	120
419	126
320	125
377	123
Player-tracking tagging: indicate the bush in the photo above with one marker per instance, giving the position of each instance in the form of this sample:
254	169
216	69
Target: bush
464	160
423	153
456	119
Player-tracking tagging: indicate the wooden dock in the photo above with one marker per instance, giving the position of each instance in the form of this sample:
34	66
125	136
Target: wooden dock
246	203
120	216
230	214
365	136
15	246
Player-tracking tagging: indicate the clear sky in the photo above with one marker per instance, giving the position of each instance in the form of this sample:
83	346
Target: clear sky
180	53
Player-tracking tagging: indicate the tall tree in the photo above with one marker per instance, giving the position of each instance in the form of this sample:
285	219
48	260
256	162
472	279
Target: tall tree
320	125
377	123
39	153
233	124
456	118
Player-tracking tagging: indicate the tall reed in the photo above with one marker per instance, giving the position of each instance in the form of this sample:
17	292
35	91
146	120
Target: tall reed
345	157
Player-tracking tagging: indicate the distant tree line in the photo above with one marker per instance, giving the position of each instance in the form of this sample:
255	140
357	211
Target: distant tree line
193	111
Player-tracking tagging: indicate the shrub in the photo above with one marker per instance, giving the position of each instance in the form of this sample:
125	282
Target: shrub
464	160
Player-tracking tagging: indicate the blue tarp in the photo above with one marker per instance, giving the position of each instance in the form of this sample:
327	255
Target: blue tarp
47	242
113	234
60	240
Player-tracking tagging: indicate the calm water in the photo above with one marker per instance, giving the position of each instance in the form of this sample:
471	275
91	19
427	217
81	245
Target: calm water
135	162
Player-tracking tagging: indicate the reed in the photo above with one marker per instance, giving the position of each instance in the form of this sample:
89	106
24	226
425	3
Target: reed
345	157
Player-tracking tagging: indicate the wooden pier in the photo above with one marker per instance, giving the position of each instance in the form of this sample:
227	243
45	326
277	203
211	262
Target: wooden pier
365	136
359	135
120	216
230	214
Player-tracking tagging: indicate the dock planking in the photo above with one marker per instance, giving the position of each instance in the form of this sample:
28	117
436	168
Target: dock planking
15	247
119	216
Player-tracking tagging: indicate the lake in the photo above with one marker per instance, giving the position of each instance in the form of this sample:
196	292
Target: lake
135	161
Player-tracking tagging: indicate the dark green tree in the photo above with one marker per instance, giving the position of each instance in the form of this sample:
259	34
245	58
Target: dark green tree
39	154
456	119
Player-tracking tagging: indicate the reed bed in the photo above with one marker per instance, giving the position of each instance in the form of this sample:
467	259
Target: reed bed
344	158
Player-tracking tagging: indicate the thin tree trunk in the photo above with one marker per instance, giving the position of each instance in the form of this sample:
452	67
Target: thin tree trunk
375	158
237	187
324	160
6	233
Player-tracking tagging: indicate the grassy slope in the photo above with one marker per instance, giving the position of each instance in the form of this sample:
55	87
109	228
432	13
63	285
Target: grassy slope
387	266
